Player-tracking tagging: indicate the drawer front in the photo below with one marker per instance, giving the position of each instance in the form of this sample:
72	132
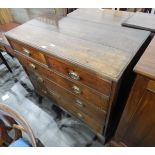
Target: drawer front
79	104
79	75
82	109
81	91
28	51
96	126
68	107
37	81
92	124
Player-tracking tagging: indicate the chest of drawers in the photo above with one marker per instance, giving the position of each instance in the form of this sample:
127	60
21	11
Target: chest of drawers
80	64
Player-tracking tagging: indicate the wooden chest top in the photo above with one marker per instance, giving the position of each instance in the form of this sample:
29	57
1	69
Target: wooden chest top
104	16
146	64
104	49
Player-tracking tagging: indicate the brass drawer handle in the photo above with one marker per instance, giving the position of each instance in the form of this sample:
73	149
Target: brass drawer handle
26	51
79	103
79	115
76	90
32	66
40	79
74	75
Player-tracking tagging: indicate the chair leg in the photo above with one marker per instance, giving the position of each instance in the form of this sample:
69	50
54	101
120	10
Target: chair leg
5	62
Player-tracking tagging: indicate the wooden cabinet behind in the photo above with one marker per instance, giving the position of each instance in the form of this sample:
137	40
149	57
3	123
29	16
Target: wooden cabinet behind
137	125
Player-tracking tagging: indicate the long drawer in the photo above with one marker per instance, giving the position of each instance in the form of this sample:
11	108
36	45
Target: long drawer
84	111
81	91
78	74
82	105
95	126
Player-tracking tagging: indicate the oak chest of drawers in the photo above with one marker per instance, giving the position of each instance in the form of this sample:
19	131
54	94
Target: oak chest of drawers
80	64
137	124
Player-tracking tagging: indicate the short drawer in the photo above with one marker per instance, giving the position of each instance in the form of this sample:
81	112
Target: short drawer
72	100
27	63
80	75
28	51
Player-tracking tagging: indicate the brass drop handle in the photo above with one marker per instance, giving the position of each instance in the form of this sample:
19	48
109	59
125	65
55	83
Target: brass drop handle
79	115
79	103
74	75
40	79
32	66
26	51
76	90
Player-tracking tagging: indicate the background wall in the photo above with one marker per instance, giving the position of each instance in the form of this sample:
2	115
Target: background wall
21	15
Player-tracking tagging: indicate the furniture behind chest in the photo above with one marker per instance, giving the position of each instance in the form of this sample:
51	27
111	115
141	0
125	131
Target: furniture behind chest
142	21
4	44
81	63
137	124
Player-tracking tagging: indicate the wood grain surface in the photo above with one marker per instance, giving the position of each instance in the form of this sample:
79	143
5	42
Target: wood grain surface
104	16
106	50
